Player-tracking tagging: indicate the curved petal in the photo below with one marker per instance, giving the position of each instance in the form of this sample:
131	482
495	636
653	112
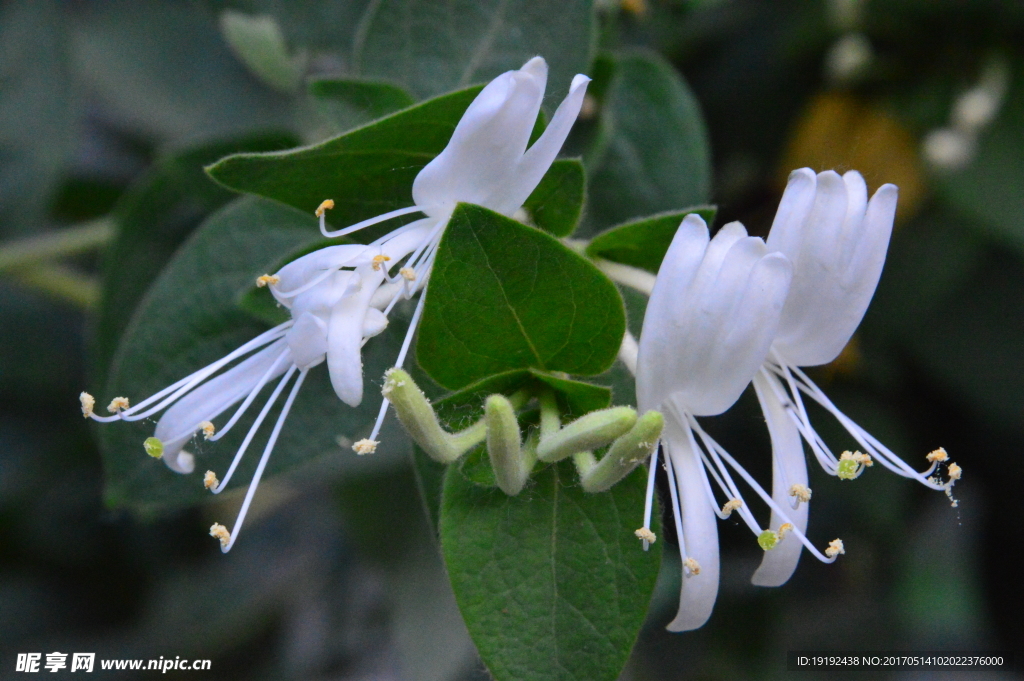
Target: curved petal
179	423
700	534
787	228
789	467
345	338
307	340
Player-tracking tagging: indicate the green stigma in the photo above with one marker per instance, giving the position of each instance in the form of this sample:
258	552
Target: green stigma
154	447
847	469
767	540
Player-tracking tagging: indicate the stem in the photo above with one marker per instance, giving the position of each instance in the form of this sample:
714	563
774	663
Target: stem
70	241
63	282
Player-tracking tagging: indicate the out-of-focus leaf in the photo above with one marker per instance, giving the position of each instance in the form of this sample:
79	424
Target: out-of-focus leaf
552	583
154	217
40	348
163	68
644	242
431	47
654	154
505	296
37	111
190	318
367	172
350	102
259	43
557	202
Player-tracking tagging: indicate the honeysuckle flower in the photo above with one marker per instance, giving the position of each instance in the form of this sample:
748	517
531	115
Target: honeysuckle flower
340	296
837	240
710	320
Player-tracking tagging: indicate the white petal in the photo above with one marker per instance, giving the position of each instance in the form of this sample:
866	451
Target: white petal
789	468
487	143
786	233
302	270
307	340
345	339
700	534
209	400
538	158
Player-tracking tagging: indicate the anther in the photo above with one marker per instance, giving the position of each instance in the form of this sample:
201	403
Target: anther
692	565
783	529
645	534
852	464
88	403
210	480
801	492
265	279
208	429
323	207
218	531
154	447
409	273
938	455
835	547
379	260
117	404
730	506
365	446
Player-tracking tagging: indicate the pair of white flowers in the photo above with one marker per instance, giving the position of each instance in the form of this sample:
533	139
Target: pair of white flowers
728	311
340	296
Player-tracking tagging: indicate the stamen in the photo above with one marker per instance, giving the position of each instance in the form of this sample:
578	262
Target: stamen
937	455
88	403
692	566
409	273
218	531
208	429
954	472
835	547
210	480
783	529
378	261
646	535
801	492
118	404
365	446
366	223
265	279
730	506
649	500
154	447
852	464
324	206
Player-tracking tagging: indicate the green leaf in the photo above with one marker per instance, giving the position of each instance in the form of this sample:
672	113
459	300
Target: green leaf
506	296
643	243
153	218
654	155
463	408
552	583
345	100
190	318
432	47
258	42
557	202
367	172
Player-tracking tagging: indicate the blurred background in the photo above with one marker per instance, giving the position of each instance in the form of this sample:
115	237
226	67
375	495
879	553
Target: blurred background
109	110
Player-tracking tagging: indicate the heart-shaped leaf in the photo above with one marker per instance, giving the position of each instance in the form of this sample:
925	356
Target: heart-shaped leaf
644	242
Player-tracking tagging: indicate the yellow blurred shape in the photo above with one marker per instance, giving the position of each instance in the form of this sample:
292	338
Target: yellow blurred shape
841	132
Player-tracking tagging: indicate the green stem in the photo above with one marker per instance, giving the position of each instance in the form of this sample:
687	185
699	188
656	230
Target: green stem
71	241
61	281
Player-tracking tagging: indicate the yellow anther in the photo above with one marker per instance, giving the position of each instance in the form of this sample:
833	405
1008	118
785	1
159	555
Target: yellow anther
218	531
117	404
692	565
938	455
208	429
835	547
954	472
264	279
646	534
379	260
801	492
783	529
408	272
365	446
210	480
88	403
731	506
323	207
863	459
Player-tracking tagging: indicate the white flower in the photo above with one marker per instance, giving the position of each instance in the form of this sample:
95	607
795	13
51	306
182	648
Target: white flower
710	320
837	241
340	296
